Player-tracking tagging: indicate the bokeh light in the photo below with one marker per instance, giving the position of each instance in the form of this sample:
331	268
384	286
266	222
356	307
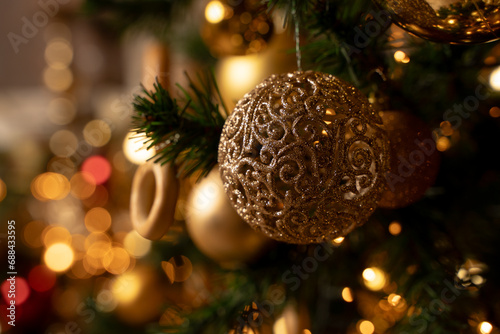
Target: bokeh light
83	185
98	167
61	111
61	165
374	278
3	190
135	150
126	288
32	233
57	79
21	287
366	327
56	234
116	261
338	240
136	245
98	198
495	79
395	228
58	53
50	186
394	299
495	112
59	257
485	327
97	133
347	295
214	12
63	143
97	220
41	278
443	143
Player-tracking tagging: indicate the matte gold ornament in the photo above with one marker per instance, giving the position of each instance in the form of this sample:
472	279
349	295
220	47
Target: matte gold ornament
216	229
303	157
153	198
414	159
236	28
447	21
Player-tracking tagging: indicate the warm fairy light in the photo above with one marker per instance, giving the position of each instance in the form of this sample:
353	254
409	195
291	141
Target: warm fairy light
41	278
399	56
116	261
214	12
96	237
495	79
136	245
58	79
99	167
22	290
97	220
374	278
495	112
97	133
443	143
126	288
3	190
63	143
83	185
58	53
446	128
59	257
56	235
485	327
394	299
395	228
32	233
239	74
61	111
347	295
338	240
135	150
366	327
477	280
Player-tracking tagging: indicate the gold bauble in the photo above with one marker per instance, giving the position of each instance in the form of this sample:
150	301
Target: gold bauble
303	157
216	229
447	21
236	28
414	159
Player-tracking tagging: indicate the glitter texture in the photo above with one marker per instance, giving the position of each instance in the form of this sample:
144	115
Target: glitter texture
303	156
447	21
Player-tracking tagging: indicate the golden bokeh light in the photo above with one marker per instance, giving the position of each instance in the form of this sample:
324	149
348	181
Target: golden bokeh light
495	79
61	165
239	74
338	240
97	133
394	299
347	295
63	143
59	53
116	261
57	79
126	287
32	233
97	220
56	234
485	327
401	57
136	245
495	112
96	237
306	331
3	190
61	111
446	128
395	228
50	186
366	327
374	278
59	257
214	12
135	150
82	185
443	143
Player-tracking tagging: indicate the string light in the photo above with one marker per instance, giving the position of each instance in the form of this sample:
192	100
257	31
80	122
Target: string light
347	295
485	327
59	257
126	288
366	327
495	79
374	278
395	228
135	150
214	12
338	240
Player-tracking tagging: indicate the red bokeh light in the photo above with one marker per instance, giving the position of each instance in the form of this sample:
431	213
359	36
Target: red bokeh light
41	278
99	167
17	290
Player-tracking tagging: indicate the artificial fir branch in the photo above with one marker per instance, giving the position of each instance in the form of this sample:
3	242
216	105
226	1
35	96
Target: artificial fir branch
185	132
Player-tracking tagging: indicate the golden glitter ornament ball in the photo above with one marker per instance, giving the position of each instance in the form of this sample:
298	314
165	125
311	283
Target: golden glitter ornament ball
303	156
236	27
447	21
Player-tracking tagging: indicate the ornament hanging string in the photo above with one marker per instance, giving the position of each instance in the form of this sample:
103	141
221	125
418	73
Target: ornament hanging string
297	35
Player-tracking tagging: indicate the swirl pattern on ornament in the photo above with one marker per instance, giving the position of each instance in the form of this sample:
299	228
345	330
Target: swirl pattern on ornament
302	157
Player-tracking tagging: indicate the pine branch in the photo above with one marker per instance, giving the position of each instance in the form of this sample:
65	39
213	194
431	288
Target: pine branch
185	132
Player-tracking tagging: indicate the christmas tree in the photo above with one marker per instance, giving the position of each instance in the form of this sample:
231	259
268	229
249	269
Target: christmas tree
309	167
